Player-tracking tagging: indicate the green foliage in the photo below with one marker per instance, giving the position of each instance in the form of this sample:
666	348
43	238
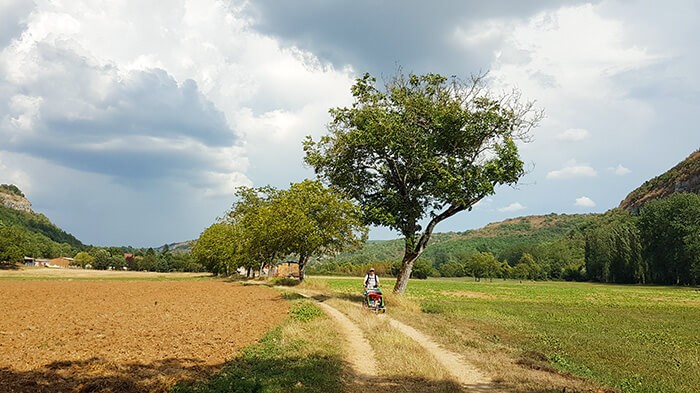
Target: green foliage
12	240
305	311
323	221
659	246
102	259
83	259
527	268
184	262
217	248
614	251
265	225
555	241
33	235
670	229
333	267
11	189
424	147
422	269
482	264
39	224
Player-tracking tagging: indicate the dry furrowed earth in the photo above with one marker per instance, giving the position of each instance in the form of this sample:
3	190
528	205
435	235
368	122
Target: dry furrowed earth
125	336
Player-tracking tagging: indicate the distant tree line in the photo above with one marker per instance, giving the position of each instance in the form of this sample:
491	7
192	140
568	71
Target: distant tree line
660	245
555	250
129	258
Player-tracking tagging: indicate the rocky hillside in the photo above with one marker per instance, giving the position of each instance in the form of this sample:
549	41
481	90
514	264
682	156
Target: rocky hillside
16	211
12	197
684	177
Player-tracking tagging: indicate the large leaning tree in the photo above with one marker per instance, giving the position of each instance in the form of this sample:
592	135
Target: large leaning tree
420	150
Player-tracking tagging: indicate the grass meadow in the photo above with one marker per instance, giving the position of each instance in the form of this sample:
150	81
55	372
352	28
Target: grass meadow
629	338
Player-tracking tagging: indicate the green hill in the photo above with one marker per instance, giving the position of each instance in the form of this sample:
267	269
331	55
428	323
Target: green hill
556	239
684	177
28	233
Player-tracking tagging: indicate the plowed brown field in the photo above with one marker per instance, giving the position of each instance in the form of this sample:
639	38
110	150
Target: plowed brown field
125	336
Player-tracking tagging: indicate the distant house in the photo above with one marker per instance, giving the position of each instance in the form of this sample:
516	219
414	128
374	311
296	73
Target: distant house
62	262
287	269
29	261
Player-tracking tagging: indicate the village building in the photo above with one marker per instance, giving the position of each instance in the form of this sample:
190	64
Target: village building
61	262
287	269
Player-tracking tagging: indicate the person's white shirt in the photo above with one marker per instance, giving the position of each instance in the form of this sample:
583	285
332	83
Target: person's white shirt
371	281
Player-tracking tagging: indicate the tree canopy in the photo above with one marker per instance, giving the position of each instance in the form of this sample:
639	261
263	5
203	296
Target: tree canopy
425	147
265	225
670	228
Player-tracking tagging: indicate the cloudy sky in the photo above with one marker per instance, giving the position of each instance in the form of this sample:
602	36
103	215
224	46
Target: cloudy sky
131	123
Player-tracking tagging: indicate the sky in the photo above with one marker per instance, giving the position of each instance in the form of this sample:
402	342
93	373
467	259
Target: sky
132	123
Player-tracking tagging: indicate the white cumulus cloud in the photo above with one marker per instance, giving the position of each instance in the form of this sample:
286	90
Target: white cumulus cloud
574	135
513	207
584	201
619	170
572	170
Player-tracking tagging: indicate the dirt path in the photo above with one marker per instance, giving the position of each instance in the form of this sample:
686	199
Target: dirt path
360	352
463	372
361	355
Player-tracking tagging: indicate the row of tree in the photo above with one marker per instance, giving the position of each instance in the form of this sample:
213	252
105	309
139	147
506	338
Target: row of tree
477	265
115	258
267	225
661	245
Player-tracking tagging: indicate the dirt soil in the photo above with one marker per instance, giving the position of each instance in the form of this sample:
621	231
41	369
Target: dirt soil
125	336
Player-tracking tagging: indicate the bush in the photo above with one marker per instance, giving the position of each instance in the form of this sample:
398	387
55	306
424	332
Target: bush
305	311
574	272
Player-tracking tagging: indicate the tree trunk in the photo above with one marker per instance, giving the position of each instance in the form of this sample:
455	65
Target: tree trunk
405	272
271	269
412	252
303	260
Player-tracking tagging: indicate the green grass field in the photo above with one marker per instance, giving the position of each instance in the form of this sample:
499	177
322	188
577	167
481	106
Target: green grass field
631	338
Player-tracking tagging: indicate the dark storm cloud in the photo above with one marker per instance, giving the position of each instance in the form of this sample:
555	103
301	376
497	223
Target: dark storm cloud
133	125
377	36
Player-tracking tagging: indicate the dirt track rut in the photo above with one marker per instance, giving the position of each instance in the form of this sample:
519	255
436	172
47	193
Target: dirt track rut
463	372
361	355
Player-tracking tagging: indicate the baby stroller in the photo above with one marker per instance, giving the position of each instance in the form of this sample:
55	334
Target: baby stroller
373	300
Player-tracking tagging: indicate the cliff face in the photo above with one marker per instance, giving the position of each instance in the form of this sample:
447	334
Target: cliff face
15	202
684	177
